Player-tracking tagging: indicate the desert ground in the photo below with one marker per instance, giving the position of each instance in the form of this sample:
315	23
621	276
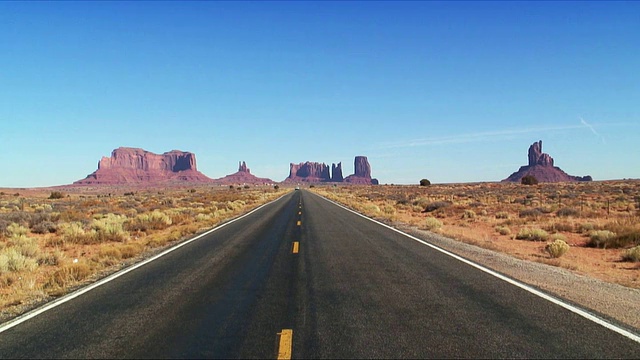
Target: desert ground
53	240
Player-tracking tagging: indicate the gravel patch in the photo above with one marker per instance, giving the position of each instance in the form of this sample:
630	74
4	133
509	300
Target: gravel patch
613	302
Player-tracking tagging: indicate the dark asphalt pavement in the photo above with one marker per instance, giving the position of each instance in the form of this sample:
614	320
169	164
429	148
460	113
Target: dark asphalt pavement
355	289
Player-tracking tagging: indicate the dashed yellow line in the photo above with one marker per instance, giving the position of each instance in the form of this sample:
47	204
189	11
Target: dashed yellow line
286	342
296	247
299	223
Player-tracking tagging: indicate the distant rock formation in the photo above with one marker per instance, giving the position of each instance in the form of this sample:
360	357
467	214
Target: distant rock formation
319	172
133	165
336	173
362	173
541	167
243	176
308	172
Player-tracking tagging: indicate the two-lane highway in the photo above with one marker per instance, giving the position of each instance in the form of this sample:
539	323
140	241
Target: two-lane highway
334	284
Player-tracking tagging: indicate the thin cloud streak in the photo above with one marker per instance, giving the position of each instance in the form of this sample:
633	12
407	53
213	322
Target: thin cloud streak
473	137
592	129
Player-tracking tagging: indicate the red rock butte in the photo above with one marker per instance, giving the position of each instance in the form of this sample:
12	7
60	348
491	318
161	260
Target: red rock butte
136	166
243	176
314	172
541	167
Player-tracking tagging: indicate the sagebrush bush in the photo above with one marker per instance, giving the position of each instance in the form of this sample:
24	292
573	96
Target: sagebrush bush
601	238
15	229
69	274
469	214
503	230
632	254
557	248
567	211
532	234
502	215
530	213
432	224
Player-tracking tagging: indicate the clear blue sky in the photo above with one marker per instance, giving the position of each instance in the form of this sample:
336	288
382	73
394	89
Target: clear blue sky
449	91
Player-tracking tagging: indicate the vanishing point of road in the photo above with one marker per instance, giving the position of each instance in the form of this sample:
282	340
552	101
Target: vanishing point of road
304	278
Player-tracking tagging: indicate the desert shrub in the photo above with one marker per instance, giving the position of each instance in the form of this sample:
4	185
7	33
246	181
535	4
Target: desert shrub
529	180
276	187
601	238
388	209
557	248
469	214
586	228
432	224
632	254
110	227
52	258
110	252
565	227
437	205
372	208
155	220
532	234
425	182
25	245
45	227
502	215
130	250
74	233
69	274
627	238
12	260
567	211
56	195
530	213
503	230
16	230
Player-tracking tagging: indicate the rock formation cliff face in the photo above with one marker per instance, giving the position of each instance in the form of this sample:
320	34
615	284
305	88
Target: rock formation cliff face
308	172
243	176
362	173
336	173
133	165
541	167
319	172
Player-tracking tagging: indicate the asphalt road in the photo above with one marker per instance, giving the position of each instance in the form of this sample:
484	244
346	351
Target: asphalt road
354	289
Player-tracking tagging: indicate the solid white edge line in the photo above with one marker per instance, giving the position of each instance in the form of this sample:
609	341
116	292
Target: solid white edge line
572	308
50	305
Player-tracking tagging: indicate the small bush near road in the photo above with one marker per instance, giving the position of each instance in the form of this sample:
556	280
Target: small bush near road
532	234
632	254
601	238
432	224
425	182
557	248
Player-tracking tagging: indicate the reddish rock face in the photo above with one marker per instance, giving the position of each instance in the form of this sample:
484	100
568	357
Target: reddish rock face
242	176
319	172
541	167
362	172
132	165
308	172
336	173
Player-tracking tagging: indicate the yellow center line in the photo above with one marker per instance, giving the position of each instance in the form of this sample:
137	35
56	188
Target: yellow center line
296	247
286	341
299	212
299	223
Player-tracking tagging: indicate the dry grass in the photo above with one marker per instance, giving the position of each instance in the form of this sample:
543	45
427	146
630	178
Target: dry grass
599	221
49	245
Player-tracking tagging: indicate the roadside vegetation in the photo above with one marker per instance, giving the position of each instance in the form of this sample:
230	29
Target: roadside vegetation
52	242
590	228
